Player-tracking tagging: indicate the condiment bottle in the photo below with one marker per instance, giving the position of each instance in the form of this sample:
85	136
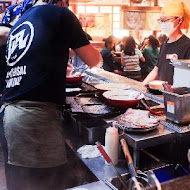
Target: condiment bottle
112	143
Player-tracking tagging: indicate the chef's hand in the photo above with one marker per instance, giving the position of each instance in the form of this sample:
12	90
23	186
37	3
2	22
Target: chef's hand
70	68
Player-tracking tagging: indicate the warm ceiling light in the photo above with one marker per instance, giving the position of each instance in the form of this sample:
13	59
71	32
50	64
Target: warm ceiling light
136	1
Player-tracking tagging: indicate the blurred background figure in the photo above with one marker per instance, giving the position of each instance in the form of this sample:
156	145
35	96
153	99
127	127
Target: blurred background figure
120	46
130	60
110	61
162	39
143	44
150	53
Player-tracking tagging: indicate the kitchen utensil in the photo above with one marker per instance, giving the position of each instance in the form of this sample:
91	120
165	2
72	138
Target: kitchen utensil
167	87
74	79
153	180
111	86
156	84
109	161
122	98
137	185
144	103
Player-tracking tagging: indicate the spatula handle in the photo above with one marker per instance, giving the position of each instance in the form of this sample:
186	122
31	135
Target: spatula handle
103	152
126	151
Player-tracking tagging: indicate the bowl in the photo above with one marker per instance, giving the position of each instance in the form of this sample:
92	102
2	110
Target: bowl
111	86
74	79
156	85
122	98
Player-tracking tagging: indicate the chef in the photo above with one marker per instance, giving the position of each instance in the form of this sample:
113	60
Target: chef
174	17
37	53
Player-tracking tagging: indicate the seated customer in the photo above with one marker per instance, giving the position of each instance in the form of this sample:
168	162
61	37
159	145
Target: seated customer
150	53
109	59
130	60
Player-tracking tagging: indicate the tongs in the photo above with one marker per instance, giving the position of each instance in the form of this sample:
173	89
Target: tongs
144	103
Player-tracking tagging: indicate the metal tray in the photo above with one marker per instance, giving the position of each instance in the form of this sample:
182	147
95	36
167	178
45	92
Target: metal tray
136	130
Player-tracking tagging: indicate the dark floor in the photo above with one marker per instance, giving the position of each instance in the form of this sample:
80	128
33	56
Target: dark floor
78	174
2	173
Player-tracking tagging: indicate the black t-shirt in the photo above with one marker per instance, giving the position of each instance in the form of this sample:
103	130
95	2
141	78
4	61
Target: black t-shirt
181	48
3	62
38	51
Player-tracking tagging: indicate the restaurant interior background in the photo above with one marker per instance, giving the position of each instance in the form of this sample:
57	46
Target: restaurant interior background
101	18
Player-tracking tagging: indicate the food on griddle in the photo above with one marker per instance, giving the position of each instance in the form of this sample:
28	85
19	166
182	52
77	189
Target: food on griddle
75	107
111	86
96	109
87	100
156	85
135	118
120	94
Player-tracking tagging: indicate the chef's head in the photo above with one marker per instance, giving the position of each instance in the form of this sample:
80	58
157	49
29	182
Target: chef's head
174	15
62	3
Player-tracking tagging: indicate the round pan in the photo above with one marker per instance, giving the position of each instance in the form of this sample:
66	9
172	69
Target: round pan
103	87
122	98
74	79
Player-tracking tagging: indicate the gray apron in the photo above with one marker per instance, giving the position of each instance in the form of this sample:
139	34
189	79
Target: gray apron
33	131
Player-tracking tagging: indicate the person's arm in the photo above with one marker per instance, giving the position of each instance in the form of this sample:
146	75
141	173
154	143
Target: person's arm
4	32
122	61
151	76
142	59
89	55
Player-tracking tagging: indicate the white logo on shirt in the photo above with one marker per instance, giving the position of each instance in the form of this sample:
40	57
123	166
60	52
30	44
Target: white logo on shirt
19	42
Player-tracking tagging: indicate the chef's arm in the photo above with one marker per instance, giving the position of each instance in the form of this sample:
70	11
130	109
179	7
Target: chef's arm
89	55
151	76
4	32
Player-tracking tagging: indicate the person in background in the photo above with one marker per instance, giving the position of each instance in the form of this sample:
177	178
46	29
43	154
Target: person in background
173	16
162	39
35	151
143	44
120	46
150	53
130	57
108	56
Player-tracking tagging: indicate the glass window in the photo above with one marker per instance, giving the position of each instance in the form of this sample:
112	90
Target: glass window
116	25
116	17
116	10
104	9
81	9
92	9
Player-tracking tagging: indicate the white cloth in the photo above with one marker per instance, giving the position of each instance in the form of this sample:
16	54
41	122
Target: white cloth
89	151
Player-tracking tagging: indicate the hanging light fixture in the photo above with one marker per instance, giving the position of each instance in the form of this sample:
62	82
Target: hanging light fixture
136	1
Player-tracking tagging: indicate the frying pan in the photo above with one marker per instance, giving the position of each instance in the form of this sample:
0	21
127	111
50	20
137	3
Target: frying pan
74	79
122	98
103	87
137	181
